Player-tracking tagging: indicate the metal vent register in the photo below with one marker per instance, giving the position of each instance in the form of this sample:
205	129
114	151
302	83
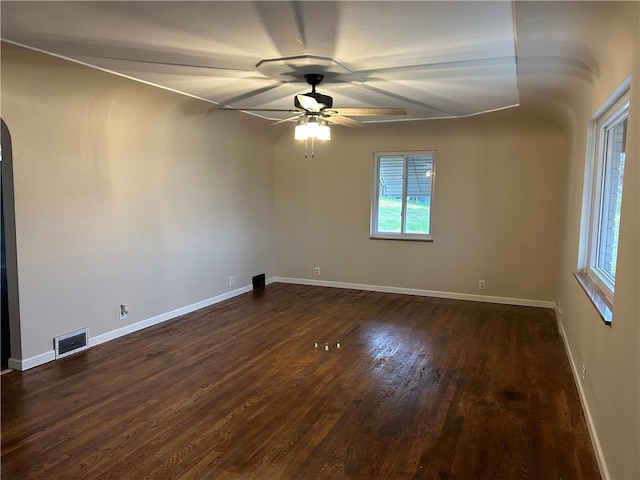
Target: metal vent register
71	342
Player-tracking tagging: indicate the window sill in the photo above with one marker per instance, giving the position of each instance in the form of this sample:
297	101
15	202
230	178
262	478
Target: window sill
409	237
599	300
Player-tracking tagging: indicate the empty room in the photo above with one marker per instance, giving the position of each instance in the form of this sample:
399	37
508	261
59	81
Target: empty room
320	240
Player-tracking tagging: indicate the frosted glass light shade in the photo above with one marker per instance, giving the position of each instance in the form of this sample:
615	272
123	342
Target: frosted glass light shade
312	128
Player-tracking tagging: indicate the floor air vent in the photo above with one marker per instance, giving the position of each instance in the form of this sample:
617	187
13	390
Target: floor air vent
71	343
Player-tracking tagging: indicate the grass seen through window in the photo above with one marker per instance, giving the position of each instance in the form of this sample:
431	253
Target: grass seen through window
389	215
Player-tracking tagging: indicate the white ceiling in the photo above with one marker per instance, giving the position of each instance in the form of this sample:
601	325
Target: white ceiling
435	59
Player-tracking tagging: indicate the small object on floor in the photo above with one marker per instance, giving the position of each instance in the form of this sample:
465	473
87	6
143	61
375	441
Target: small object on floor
315	345
326	347
338	344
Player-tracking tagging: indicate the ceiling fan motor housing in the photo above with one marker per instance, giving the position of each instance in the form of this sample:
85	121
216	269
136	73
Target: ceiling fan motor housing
314	79
325	100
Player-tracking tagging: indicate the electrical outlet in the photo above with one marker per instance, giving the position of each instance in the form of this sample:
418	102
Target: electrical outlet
124	311
317	271
584	372
481	284
232	281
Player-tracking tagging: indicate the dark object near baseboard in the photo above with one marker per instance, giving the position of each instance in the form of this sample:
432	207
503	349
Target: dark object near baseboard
258	281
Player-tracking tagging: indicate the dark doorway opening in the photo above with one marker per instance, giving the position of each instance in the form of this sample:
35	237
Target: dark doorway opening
5	153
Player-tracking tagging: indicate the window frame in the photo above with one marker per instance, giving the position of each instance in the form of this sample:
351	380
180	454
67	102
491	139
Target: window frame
597	282
375	190
611	118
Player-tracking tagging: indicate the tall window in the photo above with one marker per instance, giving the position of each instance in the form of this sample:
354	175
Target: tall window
609	152
402	195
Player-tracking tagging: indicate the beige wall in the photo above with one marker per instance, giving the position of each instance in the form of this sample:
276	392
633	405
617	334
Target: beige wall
125	193
496	211
611	355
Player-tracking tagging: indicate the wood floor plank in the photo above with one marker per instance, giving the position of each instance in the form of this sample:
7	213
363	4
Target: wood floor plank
421	388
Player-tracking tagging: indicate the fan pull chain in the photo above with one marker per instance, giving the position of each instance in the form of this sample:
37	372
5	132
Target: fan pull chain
306	148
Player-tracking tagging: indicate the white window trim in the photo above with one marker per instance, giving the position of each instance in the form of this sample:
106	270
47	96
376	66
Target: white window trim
375	197
613	111
612	116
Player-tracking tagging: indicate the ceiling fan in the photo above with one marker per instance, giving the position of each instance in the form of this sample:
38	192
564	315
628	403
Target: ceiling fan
316	108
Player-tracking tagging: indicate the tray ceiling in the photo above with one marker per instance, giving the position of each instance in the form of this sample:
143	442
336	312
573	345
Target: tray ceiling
435	59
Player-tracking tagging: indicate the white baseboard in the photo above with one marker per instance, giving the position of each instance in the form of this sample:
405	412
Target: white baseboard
45	357
134	327
27	363
418	292
595	440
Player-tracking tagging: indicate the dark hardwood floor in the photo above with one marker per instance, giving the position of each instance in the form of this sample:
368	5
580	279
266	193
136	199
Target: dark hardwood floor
421	388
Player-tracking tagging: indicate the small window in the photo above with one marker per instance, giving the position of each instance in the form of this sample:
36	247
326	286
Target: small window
604	194
402	195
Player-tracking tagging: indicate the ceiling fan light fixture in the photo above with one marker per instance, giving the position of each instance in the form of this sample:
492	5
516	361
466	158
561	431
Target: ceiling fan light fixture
313	128
324	132
301	132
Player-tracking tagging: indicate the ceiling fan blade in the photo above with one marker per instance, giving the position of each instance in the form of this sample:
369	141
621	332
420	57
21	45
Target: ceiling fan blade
346	121
288	119
258	109
308	103
368	112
